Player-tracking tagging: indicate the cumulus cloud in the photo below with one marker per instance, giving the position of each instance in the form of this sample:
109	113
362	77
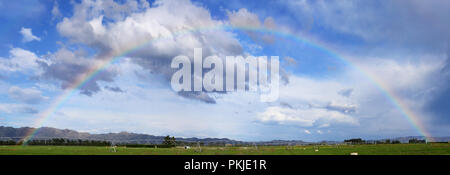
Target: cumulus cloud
20	60
162	21
28	35
26	95
113	28
70	68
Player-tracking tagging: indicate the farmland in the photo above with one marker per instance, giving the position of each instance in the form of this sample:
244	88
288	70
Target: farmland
369	149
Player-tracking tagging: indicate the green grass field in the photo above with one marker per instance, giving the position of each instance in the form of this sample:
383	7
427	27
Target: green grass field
380	149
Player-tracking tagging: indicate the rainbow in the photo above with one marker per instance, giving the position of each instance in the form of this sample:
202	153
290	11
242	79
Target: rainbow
107	60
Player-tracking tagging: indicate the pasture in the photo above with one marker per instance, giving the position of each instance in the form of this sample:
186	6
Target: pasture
375	149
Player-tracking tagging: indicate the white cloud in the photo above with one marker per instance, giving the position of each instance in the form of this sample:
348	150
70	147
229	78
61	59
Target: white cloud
314	91
303	117
162	32
312	103
26	95
28	35
165	20
407	72
320	102
17	108
20	60
307	131
145	108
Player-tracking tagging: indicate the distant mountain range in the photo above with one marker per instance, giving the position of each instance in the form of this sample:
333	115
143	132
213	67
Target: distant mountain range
7	133
122	137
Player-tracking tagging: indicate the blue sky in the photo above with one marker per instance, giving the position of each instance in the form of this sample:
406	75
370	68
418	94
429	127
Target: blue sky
326	49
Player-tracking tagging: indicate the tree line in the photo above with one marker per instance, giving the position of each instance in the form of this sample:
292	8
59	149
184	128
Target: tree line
387	141
168	142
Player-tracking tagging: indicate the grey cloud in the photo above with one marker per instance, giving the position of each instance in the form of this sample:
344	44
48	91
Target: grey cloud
346	92
343	108
201	96
414	25
439	104
28	110
114	89
68	68
284	76
331	106
287	105
118	11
